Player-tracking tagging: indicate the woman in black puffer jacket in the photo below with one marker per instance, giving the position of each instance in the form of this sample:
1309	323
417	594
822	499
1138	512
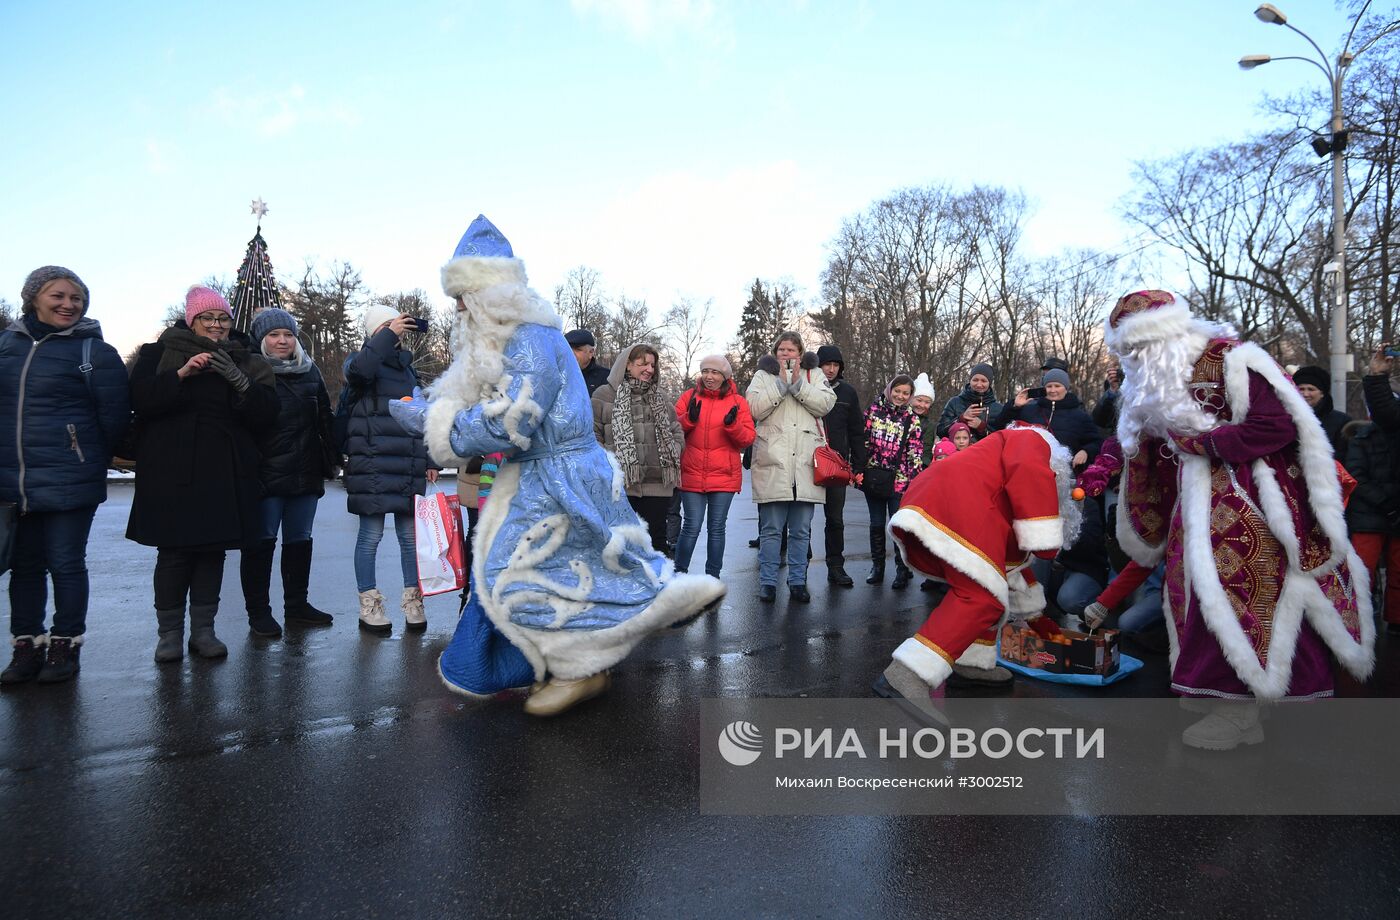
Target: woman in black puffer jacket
63	407
386	466
297	459
199	399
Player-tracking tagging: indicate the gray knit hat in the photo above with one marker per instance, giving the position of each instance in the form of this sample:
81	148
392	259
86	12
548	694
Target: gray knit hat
42	276
270	319
1055	375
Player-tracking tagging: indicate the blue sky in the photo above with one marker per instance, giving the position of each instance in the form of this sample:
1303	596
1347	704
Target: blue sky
681	147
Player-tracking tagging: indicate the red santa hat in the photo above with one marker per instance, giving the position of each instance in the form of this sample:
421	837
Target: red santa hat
1145	316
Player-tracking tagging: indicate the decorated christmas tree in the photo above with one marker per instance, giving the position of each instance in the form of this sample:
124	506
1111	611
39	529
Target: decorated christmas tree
256	288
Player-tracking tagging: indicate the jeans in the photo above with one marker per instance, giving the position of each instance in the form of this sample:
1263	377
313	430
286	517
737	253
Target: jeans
1147	606
198	573
772	516
697	506
295	515
1069	590
50	544
834	512
367	546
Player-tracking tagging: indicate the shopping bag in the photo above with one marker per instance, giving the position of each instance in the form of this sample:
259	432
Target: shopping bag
439	543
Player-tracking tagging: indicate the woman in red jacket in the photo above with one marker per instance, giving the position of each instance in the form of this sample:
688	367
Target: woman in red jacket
718	426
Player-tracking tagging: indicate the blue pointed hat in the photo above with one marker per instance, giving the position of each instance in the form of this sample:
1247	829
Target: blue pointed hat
483	240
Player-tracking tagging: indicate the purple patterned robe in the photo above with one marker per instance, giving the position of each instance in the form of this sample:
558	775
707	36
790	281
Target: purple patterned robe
1261	587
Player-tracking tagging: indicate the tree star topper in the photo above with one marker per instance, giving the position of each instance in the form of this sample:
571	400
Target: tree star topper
258	207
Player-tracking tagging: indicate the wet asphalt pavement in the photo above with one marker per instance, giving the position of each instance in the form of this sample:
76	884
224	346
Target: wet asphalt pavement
330	774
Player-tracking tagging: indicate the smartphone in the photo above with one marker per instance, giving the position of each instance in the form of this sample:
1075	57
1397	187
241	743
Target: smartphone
419	324
1036	393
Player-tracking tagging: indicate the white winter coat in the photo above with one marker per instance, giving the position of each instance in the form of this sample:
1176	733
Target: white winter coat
786	436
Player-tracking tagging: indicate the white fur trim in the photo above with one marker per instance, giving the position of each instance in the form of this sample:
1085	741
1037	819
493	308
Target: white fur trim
1032	535
1150	326
41	639
950	551
474	273
980	656
1024	598
932	668
574	653
1314	450
1300	595
1138	549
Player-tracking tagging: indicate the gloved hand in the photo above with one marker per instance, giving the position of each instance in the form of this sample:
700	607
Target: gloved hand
693	410
411	413
1094	480
221	363
732	415
1094	615
1190	444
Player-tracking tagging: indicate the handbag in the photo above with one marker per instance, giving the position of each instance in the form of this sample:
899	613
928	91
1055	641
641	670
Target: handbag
829	468
878	481
9	523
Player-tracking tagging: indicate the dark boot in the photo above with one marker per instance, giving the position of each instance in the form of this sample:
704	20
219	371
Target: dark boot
203	642
61	663
836	575
296	577
877	556
170	624
27	660
902	575
255	572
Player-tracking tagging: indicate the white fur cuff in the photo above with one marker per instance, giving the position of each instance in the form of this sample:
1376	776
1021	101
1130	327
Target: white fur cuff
982	656
931	667
1038	534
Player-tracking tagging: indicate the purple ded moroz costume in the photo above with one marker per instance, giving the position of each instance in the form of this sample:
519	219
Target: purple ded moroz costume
564	578
1261	581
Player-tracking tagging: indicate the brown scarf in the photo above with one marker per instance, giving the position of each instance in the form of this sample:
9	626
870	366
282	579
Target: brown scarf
181	344
625	434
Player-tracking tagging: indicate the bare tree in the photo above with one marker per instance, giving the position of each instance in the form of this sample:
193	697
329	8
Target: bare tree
8	314
687	326
581	300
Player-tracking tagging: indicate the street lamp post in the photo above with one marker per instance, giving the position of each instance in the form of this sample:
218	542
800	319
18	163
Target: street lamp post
1339	358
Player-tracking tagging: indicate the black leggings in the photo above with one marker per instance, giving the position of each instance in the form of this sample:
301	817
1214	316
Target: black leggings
198	573
653	511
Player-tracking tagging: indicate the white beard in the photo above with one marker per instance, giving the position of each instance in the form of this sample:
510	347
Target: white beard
480	333
1071	511
1157	400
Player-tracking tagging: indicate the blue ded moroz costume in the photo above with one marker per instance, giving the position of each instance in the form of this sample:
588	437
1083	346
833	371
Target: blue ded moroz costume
564	580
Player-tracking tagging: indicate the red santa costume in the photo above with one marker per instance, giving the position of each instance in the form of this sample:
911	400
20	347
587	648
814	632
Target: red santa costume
974	520
1229	477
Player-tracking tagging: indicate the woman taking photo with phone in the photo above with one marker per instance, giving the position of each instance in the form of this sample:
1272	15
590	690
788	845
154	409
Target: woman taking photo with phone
787	395
385	466
199	399
297	459
976	406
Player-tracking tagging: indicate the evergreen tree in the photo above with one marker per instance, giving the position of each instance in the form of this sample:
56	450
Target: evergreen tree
256	288
771	310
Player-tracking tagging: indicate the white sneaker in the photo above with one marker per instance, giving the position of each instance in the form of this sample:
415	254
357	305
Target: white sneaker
414	617
1227	727
372	618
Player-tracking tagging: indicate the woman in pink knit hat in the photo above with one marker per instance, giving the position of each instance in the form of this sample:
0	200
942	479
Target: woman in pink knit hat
198	399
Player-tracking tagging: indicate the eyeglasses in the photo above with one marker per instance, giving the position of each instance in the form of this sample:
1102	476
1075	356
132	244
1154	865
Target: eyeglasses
214	319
